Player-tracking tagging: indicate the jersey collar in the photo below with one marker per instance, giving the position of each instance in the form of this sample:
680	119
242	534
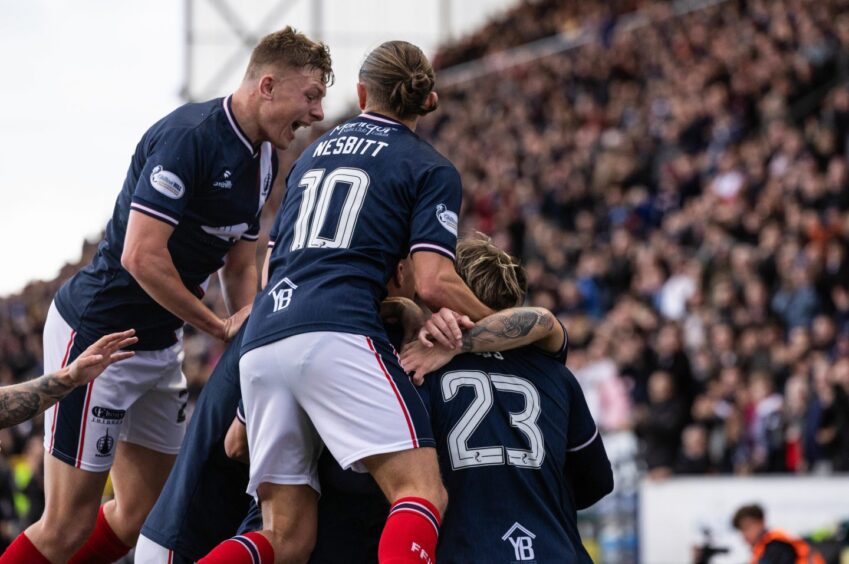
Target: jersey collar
228	110
382	119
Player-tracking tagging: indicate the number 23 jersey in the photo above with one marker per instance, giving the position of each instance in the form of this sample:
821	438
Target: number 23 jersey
505	424
360	198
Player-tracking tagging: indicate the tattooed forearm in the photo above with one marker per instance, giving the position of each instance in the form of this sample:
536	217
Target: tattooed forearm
503	329
24	401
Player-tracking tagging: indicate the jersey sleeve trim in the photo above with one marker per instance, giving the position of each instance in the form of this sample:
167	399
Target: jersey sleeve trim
564	350
156	214
433	248
584	445
250	237
240	414
271	243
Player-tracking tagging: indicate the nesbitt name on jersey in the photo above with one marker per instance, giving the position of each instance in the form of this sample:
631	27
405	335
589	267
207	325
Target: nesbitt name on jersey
349	145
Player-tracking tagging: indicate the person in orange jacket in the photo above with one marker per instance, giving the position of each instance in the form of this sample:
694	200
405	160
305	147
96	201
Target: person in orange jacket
771	546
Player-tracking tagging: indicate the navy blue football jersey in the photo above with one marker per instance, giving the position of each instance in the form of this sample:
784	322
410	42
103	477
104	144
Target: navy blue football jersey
361	197
194	170
504	425
204	498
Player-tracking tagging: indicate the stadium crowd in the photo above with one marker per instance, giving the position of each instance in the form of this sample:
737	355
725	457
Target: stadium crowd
679	195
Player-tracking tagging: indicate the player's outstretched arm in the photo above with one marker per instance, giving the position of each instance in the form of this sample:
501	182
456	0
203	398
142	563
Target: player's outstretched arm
440	287
513	328
24	401
239	276
147	258
508	329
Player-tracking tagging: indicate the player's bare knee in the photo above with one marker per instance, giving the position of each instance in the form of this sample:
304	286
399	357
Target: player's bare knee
293	547
65	535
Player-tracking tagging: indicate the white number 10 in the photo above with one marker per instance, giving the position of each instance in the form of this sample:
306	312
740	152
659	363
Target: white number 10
306	232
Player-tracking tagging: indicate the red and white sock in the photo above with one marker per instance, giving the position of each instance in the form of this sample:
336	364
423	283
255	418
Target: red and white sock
250	548
102	547
22	551
411	532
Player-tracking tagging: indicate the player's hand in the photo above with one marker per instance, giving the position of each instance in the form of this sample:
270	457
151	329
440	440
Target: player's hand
446	328
101	354
418	360
233	323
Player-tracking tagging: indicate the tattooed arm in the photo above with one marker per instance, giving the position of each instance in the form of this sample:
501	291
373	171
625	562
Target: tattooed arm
501	331
514	328
24	401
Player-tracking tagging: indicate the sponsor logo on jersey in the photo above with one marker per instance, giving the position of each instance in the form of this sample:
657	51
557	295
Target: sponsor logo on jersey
167	183
106	415
228	233
225	182
447	219
363	127
522	542
104	445
266	185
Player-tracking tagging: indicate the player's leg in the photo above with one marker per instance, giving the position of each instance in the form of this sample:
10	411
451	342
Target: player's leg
72	498
149	552
137	476
366	410
411	482
289	517
284	449
150	437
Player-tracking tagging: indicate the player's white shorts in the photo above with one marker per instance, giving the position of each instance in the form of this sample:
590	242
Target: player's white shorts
148	552
345	391
141	400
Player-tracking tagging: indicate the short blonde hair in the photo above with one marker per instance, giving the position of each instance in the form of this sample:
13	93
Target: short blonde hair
292	49
495	277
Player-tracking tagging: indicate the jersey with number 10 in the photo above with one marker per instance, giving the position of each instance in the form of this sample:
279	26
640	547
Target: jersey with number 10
359	199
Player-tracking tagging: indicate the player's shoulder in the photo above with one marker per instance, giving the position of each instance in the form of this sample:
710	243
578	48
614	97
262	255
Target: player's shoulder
193	121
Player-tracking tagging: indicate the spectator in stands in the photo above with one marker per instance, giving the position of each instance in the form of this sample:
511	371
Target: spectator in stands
660	424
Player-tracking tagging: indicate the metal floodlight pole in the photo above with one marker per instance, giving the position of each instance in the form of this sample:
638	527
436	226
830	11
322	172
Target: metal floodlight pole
246	39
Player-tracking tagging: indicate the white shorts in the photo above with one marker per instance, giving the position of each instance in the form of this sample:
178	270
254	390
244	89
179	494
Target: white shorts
141	400
337	389
148	552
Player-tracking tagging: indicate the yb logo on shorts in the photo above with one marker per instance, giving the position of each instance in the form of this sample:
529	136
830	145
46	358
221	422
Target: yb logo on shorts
522	541
282	296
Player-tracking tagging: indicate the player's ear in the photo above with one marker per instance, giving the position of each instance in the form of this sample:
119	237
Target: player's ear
432	99
266	86
361	95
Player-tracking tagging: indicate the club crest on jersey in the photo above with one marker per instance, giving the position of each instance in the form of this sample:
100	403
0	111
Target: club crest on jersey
167	183
447	218
282	296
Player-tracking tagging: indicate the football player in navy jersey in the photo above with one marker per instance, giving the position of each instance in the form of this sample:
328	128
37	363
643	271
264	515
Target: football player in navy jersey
317	368
189	207
204	498
518	448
